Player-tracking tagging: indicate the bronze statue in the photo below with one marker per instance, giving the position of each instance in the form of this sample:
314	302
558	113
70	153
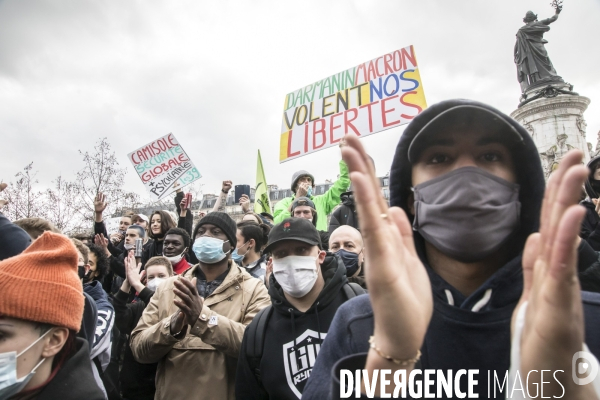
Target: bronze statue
534	67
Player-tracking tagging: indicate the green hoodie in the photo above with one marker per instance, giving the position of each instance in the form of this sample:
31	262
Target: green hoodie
325	203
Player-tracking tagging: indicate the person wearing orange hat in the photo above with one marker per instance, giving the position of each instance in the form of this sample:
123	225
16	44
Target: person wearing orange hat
41	308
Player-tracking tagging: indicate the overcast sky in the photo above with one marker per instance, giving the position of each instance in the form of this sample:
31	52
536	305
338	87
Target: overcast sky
216	73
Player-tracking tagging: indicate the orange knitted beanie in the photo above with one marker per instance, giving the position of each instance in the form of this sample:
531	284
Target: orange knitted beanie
41	284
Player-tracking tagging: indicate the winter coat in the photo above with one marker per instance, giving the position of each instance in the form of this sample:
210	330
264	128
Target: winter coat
152	248
137	380
114	249
258	268
202	364
101	347
324	203
465	332
590	226
295	335
74	380
344	214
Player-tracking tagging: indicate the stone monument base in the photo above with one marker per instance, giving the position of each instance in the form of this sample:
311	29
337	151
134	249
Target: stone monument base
556	125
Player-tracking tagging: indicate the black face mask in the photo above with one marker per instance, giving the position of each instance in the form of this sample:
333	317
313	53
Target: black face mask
350	261
596	186
81	271
87	278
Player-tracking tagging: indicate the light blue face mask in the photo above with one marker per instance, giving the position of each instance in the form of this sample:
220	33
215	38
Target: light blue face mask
9	383
209	250
239	257
309	192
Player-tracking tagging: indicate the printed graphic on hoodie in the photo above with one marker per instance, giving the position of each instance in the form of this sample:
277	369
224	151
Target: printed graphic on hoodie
299	357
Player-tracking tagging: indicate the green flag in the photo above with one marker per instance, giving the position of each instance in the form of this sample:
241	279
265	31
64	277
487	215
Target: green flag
262	203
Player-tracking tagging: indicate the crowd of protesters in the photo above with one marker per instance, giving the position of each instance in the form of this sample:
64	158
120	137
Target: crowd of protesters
476	263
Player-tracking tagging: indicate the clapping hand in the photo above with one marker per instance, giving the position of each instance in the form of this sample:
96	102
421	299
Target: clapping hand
399	287
100	240
189	303
554	330
132	272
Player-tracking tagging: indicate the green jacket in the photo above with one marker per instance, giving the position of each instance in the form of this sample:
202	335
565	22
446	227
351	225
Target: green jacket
325	202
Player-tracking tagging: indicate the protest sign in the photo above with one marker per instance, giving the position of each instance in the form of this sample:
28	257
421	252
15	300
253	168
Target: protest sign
163	166
112	225
376	95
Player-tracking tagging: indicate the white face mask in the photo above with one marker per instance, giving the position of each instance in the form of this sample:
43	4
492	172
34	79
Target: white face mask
296	274
128	246
9	384
153	284
175	259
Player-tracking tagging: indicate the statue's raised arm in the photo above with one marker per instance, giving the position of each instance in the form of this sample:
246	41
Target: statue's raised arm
534	67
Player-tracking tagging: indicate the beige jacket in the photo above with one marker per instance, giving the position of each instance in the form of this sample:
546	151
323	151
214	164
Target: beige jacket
202	365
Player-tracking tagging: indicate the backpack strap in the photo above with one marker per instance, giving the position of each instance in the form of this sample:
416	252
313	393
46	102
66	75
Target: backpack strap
352	289
256	339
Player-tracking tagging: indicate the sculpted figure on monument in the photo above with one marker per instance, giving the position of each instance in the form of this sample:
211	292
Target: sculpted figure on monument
552	156
533	64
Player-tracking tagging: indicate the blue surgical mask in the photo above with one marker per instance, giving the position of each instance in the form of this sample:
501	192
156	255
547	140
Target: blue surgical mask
309	192
209	250
239	257
350	261
9	383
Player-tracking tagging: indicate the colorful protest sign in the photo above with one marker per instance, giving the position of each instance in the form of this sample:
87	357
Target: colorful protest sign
376	95
163	166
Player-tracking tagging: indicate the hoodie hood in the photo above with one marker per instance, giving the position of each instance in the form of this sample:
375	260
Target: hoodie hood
334	275
299	174
589	190
525	155
347	198
95	291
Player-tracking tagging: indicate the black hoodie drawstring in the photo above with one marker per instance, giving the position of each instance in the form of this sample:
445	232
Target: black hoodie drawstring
293	327
318	322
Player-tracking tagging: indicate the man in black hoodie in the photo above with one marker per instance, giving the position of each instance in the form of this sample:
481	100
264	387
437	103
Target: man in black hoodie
306	288
344	214
469	181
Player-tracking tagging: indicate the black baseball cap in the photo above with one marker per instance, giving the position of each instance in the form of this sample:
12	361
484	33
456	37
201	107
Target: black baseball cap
303	201
299	229
462	117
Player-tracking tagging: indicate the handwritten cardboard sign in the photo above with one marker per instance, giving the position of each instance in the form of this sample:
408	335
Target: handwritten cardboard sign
163	166
376	95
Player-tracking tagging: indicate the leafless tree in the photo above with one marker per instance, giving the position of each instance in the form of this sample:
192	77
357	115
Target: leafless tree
101	173
63	206
24	201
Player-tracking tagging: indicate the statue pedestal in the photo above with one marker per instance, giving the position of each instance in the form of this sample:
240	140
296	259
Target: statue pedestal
556	125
